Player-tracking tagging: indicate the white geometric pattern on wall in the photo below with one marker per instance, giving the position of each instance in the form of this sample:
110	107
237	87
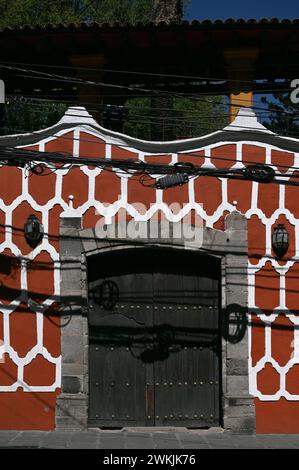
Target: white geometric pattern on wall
84	122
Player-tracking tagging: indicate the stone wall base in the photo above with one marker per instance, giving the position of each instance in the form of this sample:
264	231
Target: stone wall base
239	414
71	411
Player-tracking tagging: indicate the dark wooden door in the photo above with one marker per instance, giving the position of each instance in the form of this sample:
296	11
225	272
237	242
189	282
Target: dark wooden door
154	339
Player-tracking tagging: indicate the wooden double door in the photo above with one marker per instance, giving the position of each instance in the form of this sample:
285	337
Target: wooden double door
154	347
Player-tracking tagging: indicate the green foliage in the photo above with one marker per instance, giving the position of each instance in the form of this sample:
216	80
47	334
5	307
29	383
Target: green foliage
121	11
201	116
284	116
188	118
27	116
16	13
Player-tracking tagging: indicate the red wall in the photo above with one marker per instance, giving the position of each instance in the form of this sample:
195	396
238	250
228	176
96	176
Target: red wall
277	408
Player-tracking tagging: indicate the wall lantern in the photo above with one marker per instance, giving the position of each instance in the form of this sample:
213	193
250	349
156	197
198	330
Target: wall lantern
34	230
280	240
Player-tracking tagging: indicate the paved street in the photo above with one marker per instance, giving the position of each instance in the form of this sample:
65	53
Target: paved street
141	438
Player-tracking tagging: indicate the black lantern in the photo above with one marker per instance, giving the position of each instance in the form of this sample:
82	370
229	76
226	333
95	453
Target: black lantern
280	240
34	230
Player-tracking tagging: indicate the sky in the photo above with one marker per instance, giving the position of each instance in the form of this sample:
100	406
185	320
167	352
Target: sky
223	9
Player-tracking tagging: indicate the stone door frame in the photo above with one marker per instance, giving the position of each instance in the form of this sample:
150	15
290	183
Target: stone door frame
230	245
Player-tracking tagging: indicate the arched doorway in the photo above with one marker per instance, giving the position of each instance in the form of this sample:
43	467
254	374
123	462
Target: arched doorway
154	338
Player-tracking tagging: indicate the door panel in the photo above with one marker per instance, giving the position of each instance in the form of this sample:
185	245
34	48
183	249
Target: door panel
154	339
185	379
119	334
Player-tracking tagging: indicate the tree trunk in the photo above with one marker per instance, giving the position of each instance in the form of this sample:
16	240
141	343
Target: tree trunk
167	10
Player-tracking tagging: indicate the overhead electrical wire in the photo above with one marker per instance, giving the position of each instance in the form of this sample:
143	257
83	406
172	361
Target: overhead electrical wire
144	168
114	109
155	91
36	133
260	173
61	78
118	108
159	120
257	109
131	95
163	93
183	152
134	72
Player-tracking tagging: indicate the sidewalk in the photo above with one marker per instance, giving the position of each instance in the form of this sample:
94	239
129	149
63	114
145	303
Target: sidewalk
145	438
